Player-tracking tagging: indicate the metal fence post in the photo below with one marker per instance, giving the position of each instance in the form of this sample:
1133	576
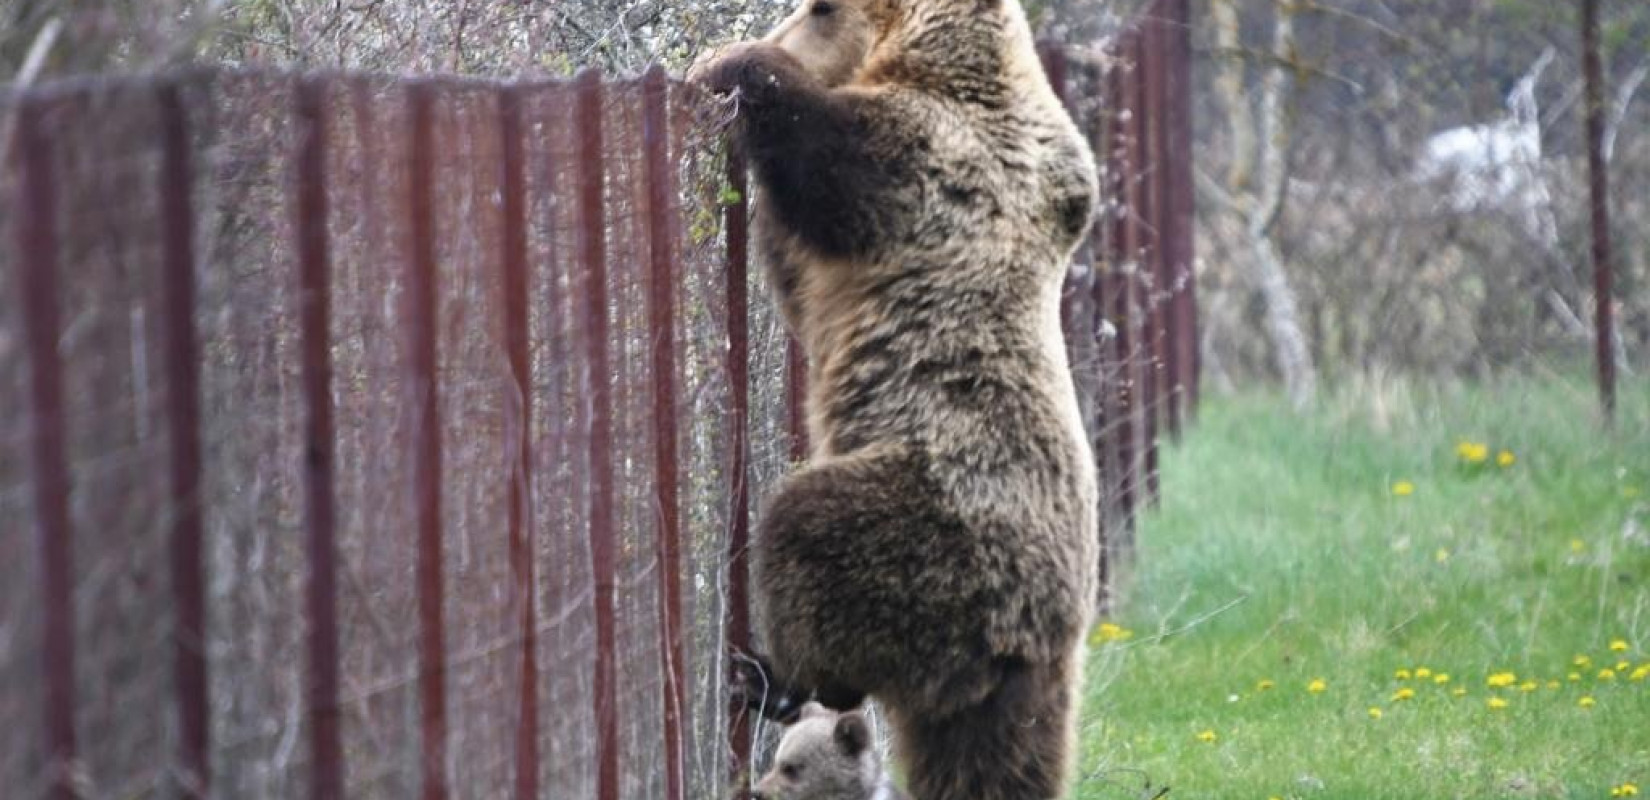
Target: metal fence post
1182	211
737	625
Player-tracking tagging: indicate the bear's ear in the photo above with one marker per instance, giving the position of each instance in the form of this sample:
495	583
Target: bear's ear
851	734
811	710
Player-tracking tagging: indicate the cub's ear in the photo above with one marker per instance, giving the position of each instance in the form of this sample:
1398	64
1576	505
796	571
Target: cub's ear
851	734
811	710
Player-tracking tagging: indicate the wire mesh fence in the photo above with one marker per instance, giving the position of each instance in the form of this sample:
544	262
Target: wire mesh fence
371	436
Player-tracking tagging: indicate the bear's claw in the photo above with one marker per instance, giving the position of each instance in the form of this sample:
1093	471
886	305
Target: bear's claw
754	69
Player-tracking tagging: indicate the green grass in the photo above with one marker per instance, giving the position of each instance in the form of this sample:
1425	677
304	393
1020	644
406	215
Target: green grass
1482	569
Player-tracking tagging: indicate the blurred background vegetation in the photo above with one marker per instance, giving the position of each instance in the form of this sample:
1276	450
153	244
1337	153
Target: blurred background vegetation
1345	129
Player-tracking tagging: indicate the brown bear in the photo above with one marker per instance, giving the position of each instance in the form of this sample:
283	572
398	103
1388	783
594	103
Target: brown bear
825	755
920	191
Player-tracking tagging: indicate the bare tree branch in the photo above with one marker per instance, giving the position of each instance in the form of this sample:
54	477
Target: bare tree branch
33	64
1211	189
1367	21
1618	110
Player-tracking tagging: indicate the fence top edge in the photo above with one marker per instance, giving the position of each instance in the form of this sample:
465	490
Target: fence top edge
1097	53
56	89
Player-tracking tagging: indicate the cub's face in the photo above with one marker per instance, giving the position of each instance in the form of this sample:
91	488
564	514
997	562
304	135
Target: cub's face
823	756
831	39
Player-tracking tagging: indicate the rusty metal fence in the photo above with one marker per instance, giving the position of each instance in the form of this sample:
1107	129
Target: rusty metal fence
367	436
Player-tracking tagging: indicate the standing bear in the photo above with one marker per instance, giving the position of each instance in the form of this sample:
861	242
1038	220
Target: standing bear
920	192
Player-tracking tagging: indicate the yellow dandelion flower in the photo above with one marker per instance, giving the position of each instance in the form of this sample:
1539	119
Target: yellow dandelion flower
1582	661
1441	678
1207	736
1629	789
1587	702
1501	679
1317	686
1528	686
1403	694
1552	684
1640	674
1109	632
1402	674
1442	555
1403	489
1505	458
1472	452
1375	712
1265	685
1577	545
1606	674
1458	692
1618	645
1621	666
1496	703
1574	676
1422	673
1615	791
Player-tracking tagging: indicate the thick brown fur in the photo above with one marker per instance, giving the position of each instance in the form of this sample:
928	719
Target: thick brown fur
920	192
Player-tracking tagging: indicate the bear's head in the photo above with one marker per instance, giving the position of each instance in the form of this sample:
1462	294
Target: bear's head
823	756
831	39
842	41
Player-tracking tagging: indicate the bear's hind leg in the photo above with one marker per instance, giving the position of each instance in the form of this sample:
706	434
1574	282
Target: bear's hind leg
1015	745
862	583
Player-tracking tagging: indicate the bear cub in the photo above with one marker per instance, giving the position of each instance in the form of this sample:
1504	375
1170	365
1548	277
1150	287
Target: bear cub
826	756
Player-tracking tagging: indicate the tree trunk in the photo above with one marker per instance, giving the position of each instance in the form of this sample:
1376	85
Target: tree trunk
1599	186
1257	181
1283	324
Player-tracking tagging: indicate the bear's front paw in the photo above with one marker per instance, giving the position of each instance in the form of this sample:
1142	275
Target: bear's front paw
754	69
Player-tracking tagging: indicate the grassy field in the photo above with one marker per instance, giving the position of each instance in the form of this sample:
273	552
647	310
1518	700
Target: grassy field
1302	565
